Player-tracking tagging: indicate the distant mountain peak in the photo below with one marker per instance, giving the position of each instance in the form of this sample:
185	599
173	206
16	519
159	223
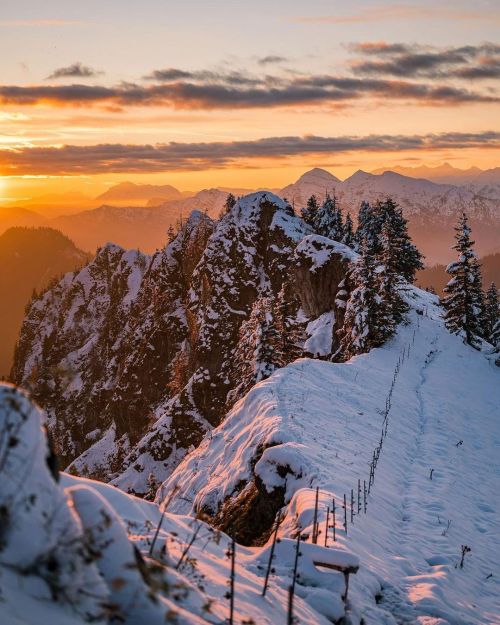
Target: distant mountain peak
315	174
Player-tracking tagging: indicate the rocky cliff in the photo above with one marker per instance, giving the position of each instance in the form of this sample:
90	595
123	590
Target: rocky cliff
133	356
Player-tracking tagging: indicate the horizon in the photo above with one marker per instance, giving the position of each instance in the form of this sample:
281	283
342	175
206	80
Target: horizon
417	172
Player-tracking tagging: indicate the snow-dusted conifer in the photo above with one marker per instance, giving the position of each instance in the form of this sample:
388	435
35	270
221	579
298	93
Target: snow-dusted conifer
389	277
328	221
348	237
310	212
409	259
460	302
259	351
491	312
290	332
366	232
364	318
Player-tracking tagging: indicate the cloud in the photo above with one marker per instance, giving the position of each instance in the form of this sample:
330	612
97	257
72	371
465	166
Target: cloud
239	92
119	158
395	12
77	70
394	72
271	60
416	61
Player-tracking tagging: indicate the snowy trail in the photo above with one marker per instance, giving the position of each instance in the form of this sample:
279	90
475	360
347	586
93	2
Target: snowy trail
324	420
432	527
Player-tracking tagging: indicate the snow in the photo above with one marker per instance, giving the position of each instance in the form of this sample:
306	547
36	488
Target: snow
311	425
320	335
97	531
320	249
317	423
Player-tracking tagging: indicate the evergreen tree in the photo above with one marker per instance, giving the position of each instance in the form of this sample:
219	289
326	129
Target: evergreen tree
328	220
461	302
365	322
259	351
348	238
368	229
495	339
290	331
371	222
409	259
491	313
389	276
478	295
228	205
310	212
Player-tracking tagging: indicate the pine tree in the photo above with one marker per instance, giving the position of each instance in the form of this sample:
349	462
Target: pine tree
310	212
348	238
389	276
495	339
365	323
368	229
290	331
228	205
259	352
491	313
409	259
478	295
328	220
461	300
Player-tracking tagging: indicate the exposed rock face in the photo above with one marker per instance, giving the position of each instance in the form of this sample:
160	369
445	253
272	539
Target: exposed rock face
96	349
132	356
250	254
320	266
322	284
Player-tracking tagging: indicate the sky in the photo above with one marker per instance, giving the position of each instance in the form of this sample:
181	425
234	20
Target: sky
197	93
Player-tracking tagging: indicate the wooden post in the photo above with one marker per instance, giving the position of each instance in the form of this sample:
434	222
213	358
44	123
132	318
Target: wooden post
352	506
345	514
364	494
231	582
326	524
271	556
359	496
315	520
292	587
334	520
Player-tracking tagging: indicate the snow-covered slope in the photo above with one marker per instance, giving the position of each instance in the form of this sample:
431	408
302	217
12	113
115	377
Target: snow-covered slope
78	551
317	424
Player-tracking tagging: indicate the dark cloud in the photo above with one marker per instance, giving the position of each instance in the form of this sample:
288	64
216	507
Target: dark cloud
402	60
77	70
271	59
119	158
243	92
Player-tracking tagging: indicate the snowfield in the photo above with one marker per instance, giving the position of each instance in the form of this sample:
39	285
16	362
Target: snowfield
322	421
313	424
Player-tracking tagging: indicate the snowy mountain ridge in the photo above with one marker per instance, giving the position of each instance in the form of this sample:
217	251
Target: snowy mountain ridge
311	424
316	424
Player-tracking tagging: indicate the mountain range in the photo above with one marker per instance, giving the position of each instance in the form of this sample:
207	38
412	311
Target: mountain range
431	207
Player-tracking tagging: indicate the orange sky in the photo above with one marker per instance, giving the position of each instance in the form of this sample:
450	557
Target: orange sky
234	97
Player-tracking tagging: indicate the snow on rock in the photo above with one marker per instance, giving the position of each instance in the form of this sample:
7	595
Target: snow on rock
320	335
316	424
118	563
320	267
77	551
249	255
43	554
